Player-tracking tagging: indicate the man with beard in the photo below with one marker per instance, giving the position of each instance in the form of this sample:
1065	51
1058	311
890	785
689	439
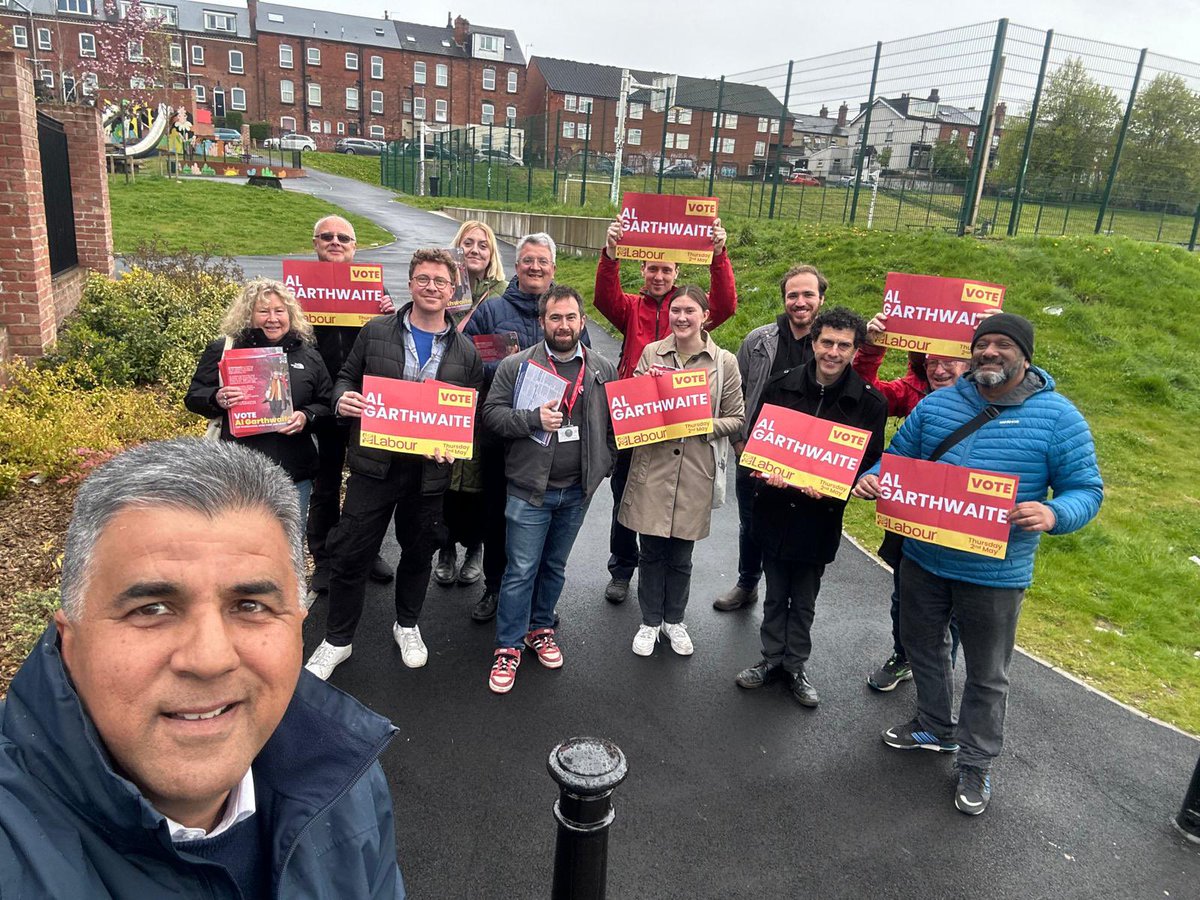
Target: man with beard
1028	430
765	358
549	486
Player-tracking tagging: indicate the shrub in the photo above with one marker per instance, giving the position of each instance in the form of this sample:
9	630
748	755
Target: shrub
260	131
29	615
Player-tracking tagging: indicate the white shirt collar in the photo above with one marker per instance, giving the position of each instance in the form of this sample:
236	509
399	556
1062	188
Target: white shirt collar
578	354
239	806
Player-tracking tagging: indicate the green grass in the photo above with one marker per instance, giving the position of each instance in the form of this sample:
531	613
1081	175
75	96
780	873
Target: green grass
231	218
1118	603
360	168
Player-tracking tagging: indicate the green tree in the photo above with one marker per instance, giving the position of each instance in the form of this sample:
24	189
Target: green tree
949	160
1161	157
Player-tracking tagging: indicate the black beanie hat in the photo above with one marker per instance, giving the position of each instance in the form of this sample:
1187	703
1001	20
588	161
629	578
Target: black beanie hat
1016	327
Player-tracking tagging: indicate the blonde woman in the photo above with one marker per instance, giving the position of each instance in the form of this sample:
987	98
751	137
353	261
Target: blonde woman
669	495
266	314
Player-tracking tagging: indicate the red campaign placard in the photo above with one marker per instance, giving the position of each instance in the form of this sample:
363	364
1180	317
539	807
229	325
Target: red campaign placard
928	314
952	506
649	409
332	293
262	375
806	451
667	228
422	417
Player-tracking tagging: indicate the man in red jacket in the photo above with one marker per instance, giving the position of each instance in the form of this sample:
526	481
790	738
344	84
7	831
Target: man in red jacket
642	318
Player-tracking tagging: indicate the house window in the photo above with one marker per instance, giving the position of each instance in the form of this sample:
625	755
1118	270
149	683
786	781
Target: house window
214	21
970	139
314	56
887	138
177	56
568	129
43	36
489	79
489	43
726	144
764	124
760	148
136	83
376	66
488	115
728	120
351	99
201	96
151	12
197	55
352	62
636	110
510	115
440	110
285	56
79	7
569	102
134	51
585	104
20	37
635	137
68	87
418	73
418	107
237	98
678	141
512	81
377	102
236	62
953	135
679	114
287	91
669	141
314	95
377	132
341	128
87	44
315	126
48	78
90	84
287	123
441	75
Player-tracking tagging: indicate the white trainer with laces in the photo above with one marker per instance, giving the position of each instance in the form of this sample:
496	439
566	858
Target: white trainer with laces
412	649
645	639
676	633
326	658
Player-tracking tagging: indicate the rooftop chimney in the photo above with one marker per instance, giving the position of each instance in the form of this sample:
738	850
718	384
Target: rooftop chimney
824	112
462	30
843	112
933	96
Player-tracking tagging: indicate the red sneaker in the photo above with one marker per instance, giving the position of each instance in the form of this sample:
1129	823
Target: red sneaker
542	643
504	670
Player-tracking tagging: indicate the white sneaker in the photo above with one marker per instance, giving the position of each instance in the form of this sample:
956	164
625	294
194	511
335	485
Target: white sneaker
645	639
677	634
412	648
326	658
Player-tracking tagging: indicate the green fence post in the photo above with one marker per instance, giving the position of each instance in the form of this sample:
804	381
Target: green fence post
966	213
900	205
587	142
557	134
1116	160
787	94
716	138
529	182
1037	226
662	152
1014	215
866	134
1195	229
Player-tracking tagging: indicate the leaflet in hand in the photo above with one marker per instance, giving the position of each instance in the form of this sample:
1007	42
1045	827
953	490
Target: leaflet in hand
262	375
536	386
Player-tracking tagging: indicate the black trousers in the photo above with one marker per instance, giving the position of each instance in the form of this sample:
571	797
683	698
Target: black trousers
370	504
622	543
494	500
324	507
664	578
750	561
788	611
464	525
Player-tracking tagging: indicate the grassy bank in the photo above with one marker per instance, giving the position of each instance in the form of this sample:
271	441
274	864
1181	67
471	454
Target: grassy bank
1116	603
233	219
360	168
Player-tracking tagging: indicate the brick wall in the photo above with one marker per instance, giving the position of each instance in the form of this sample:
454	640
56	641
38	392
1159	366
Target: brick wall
89	186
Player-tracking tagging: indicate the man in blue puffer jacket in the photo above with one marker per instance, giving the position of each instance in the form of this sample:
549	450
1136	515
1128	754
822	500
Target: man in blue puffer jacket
1039	436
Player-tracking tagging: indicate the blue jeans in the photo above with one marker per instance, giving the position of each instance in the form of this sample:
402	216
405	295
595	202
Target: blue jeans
538	540
304	489
897	645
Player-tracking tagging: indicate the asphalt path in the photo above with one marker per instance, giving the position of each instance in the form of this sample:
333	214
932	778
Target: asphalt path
733	793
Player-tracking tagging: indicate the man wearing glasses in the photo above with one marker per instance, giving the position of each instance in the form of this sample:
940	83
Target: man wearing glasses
417	344
333	239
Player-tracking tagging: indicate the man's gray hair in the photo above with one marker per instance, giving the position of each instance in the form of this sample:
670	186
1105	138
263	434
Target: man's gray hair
541	239
319	225
190	474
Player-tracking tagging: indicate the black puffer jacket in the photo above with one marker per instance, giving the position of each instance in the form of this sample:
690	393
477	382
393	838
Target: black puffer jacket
311	389
379	350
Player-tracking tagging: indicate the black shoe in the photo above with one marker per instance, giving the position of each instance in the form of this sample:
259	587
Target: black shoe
381	572
759	674
319	583
617	590
803	691
485	609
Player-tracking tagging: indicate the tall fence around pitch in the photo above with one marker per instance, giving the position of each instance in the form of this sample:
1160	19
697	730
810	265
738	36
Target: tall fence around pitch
994	128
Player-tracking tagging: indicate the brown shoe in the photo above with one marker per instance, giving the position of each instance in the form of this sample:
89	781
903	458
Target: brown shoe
735	598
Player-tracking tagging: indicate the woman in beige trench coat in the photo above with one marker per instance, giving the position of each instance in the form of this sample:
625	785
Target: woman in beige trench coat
668	497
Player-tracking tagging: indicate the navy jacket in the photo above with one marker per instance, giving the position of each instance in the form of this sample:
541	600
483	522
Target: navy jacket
71	827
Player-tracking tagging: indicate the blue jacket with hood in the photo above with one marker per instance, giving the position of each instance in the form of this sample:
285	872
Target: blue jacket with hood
1040	437
72	827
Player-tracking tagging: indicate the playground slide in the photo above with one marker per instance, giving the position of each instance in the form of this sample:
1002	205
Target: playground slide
148	143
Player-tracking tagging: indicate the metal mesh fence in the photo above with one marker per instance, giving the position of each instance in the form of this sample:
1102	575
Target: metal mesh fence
989	128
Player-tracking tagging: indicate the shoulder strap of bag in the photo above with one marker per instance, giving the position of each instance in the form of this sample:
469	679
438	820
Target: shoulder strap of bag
988	413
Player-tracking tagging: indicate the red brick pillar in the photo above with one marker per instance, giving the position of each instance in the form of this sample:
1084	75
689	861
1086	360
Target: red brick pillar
89	185
27	311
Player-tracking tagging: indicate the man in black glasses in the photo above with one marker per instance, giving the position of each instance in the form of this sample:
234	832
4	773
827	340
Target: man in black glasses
418	343
333	239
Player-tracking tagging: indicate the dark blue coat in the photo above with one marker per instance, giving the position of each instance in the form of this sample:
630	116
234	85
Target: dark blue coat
71	827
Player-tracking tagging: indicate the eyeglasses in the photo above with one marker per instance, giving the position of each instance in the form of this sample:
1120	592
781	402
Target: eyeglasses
541	261
328	237
438	281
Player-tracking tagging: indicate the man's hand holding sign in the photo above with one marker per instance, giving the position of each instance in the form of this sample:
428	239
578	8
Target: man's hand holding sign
667	228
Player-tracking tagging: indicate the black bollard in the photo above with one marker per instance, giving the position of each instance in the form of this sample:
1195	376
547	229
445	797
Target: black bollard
587	770
1188	820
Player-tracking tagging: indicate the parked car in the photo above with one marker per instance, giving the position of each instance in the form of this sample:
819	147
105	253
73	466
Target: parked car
290	142
432	150
803	178
679	170
868	178
601	165
352	146
227	134
498	158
